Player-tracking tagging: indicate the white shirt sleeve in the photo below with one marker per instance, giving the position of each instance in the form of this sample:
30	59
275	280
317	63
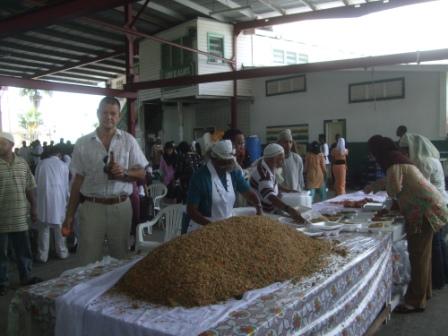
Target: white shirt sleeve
136	156
301	184
77	165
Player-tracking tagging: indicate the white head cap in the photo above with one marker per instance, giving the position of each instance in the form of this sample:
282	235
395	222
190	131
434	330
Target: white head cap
222	150
272	150
7	136
285	135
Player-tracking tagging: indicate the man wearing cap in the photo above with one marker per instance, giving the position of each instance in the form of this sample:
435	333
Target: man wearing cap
16	190
292	168
105	162
263	181
212	190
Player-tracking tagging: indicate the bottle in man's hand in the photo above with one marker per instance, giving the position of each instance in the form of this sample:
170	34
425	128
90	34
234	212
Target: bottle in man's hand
108	166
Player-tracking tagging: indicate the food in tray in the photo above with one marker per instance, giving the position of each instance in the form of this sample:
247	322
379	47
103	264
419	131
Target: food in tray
379	225
346	212
384	215
382	218
328	218
356	204
320	219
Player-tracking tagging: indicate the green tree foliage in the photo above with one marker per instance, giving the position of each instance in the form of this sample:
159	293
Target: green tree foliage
30	123
31	120
34	95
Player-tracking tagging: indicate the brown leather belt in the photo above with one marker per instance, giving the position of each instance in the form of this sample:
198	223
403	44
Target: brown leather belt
108	200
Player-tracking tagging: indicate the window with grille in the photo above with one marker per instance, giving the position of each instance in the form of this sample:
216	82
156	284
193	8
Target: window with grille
303	58
291	57
215	44
285	85
278	56
376	90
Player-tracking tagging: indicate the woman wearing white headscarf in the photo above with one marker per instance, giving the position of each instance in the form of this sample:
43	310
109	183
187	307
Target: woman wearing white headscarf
339	163
427	158
212	191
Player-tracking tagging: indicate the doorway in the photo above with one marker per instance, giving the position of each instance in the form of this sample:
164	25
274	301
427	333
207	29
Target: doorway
153	118
333	127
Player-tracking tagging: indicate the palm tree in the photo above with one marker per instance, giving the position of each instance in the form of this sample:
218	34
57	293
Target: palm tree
35	96
30	122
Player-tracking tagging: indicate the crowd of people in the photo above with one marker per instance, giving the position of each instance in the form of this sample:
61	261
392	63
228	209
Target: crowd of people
97	192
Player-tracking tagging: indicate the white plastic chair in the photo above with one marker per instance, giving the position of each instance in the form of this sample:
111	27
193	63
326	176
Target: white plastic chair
157	192
172	219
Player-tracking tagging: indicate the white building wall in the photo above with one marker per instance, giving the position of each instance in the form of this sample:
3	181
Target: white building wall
150	63
265	42
224	88
422	110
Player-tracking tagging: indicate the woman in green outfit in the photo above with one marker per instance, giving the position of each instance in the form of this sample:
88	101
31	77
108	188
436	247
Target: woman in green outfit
425	213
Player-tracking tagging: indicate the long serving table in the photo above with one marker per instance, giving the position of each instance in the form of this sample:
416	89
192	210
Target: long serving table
343	299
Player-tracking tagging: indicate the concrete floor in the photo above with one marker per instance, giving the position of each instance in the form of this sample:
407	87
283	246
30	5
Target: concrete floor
433	322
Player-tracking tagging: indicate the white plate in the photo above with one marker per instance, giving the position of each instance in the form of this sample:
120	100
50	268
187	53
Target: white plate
326	226
351	227
373	206
244	211
287	220
310	232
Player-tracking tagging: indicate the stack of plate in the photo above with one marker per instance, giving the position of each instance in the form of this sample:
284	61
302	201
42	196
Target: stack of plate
322	228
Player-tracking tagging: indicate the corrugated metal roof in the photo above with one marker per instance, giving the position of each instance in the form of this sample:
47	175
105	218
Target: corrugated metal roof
77	42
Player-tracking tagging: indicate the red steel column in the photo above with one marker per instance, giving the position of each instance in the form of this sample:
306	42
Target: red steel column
1	115
130	75
234	99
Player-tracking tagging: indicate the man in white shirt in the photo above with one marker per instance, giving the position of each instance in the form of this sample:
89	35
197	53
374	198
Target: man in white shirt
264	182
292	165
105	162
52	177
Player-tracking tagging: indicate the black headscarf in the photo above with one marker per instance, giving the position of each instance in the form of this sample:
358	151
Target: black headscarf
386	152
314	147
171	159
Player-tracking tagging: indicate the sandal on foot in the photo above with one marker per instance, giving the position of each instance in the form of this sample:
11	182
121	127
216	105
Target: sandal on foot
405	309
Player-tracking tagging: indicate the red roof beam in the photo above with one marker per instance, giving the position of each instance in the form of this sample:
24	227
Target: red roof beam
82	62
51	86
56	13
363	62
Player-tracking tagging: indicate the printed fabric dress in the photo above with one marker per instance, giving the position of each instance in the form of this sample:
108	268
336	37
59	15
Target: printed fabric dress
417	197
